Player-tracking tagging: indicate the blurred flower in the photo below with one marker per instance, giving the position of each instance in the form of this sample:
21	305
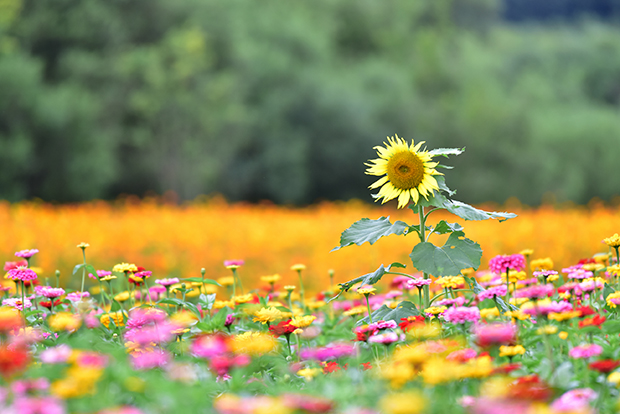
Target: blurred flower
26	254
494	334
613	241
267	315
22	273
585	351
500	263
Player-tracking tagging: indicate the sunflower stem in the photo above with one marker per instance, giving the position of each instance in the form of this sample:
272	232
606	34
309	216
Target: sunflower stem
423	239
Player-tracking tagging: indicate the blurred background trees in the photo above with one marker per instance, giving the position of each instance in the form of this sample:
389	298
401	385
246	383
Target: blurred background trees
266	100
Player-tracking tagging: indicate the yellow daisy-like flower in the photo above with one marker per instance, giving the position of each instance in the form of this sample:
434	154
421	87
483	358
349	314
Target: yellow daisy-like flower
267	315
407	172
270	279
506	350
366	291
302	321
613	241
298	267
125	267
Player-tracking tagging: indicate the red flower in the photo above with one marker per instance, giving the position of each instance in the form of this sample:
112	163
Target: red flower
330	367
283	328
366	366
506	368
14	265
407	323
604	365
586	311
594	321
585	261
12	360
308	403
48	303
530	387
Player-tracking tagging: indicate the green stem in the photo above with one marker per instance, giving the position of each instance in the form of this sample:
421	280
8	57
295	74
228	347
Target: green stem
420	297
507	285
423	239
368	306
83	268
302	292
617	255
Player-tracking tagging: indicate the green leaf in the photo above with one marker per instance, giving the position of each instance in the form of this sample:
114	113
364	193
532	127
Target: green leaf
611	326
467	212
77	268
199	280
366	230
217	322
369	278
457	254
116	306
607	290
446	151
443	227
403	310
207	300
91	269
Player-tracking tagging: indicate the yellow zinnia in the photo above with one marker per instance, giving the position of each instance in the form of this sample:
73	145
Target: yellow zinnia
407	172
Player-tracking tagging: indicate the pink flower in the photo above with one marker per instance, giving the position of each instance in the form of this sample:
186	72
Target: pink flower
462	355
580	274
545	308
14	265
492	292
100	274
461	314
386	325
585	351
167	282
577	400
56	355
17	303
26	254
49	292
535	292
500	263
460	301
333	351
77	296
143	274
209	346
385	338
24	386
234	263
545	273
417	282
92	359
147	360
38	405
495	334
22	273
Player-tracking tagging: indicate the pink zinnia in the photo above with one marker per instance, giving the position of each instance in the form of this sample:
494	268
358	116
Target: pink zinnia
545	273
418	283
148	360
17	303
585	351
209	346
577	400
167	282
57	355
462	355
333	351
49	292
461	314
385	338
535	292
500	263
38	405
233	263
495	334
547	308
492	292
22	273
26	254
580	274
14	265
100	274
77	296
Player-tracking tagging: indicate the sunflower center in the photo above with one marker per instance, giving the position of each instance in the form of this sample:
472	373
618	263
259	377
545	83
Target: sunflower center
405	170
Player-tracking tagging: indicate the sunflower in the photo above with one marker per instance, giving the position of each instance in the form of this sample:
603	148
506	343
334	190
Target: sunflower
408	172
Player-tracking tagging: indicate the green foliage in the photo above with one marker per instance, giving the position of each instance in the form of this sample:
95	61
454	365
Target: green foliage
107	97
457	254
366	230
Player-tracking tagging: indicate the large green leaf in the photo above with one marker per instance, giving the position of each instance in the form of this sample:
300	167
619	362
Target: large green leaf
367	230
370	278
468	212
403	310
443	227
457	254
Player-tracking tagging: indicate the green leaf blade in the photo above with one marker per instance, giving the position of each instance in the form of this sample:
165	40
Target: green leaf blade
457	254
367	230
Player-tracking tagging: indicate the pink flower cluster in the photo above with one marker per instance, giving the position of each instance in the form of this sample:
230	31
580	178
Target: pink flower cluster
535	292
386	338
14	265
215	349
459	301
585	351
495	334
27	254
492	292
547	308
22	273
17	303
333	351
462	314
575	401
500	263
49	292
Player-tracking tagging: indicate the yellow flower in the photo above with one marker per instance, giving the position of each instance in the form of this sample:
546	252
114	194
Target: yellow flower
435	310
298	267
265	315
64	321
410	402
354	311
518	314
553	278
315	304
450	281
117	317
613	241
563	316
107	278
438	371
253	343
302	321
563	335
407	172
398	373
125	267
308	373
515	276
289	288
219	304
480	367
542	264
527	252
243	298
506	350
83	245
614	378
615	295
592	267
122	297
547	330
226	281
614	270
489	313
270	279
366	291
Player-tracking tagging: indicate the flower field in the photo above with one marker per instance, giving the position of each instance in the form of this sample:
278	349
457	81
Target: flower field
140	307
